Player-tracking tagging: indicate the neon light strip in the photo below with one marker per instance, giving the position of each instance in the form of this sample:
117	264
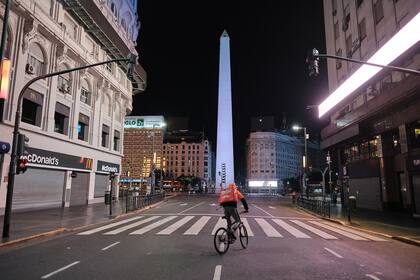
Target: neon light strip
407	37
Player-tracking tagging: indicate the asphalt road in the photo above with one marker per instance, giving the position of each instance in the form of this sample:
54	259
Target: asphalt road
174	241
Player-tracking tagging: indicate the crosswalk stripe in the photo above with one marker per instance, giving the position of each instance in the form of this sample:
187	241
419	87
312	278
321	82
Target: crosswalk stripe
133	225
95	230
292	230
248	228
339	231
314	230
220	223
154	225
198	226
368	236
175	226
269	230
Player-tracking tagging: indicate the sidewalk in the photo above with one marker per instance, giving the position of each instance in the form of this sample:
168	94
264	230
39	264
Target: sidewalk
392	223
29	224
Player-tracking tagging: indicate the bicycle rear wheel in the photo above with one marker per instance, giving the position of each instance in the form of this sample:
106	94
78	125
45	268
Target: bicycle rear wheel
243	236
221	241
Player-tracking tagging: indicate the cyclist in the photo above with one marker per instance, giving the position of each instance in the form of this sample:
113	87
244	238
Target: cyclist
229	200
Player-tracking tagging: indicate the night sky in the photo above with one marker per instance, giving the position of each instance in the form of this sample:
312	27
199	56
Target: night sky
179	49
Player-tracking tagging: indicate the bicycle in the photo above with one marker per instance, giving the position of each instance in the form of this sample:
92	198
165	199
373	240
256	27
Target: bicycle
222	238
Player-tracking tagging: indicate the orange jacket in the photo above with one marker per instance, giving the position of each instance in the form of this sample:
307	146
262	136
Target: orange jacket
231	194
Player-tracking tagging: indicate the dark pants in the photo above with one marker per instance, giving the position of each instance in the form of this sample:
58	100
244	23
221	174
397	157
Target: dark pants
231	212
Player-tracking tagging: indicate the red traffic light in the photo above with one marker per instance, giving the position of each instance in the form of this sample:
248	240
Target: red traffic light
21	166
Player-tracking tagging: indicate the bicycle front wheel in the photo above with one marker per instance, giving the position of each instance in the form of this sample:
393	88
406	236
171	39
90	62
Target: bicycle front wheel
221	241
243	236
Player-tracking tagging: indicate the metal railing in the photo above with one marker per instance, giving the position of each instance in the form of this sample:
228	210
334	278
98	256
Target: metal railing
320	207
134	202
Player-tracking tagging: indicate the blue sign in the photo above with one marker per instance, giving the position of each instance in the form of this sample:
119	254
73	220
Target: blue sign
4	147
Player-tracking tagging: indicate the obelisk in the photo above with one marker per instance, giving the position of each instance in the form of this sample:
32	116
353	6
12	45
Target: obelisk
224	149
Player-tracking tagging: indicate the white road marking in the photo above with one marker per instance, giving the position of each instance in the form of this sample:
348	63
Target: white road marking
191	207
198	226
294	231
339	231
175	226
263	210
371	276
269	230
133	225
183	204
334	253
248	228
379	273
112	245
213	204
314	230
108	226
59	270
220	223
217	272
368	236
271	207
154	225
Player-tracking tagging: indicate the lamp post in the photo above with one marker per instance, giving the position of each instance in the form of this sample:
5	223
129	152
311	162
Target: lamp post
305	157
160	125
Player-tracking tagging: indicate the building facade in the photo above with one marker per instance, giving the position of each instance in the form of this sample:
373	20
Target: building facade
188	153
74	121
374	133
143	153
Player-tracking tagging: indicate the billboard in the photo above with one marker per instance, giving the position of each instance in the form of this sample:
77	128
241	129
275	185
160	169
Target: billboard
144	122
262	184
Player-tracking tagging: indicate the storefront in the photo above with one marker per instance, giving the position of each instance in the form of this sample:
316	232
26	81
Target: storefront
52	180
102	178
414	169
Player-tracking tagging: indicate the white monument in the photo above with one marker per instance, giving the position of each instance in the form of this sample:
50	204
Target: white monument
224	152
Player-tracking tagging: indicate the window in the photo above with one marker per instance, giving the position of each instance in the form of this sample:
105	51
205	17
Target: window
83	127
338	62
414	134
36	63
63	81
336	31
85	96
71	27
32	107
105	136
61	118
108	66
378	11
362	29
349	44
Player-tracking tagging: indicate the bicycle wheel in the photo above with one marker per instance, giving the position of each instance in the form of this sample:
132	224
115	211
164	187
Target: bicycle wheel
221	241
243	236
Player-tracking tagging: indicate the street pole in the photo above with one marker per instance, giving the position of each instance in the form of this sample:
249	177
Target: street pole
111	177
306	160
13	156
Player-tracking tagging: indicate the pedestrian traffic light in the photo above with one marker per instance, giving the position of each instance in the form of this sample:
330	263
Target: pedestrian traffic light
313	63
130	65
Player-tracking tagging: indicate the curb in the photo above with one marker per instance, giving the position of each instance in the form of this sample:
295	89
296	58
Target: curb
63	230
398	238
36	236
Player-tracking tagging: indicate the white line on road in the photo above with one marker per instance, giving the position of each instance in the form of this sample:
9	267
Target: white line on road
130	226
220	223
268	229
362	234
108	226
248	228
271	207
334	253
263	210
153	226
175	226
198	226
112	245
59	270
217	272
292	230
337	230
183	204
191	207
314	230
371	276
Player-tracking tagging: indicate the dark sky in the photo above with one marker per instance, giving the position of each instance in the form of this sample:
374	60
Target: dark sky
179	48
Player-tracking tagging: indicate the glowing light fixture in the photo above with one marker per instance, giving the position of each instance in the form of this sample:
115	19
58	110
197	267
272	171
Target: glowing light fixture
407	37
5	77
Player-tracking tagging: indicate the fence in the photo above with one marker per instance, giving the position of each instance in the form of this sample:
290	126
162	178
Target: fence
320	207
134	202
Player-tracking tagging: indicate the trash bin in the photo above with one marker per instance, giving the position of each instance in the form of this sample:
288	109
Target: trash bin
107	197
352	202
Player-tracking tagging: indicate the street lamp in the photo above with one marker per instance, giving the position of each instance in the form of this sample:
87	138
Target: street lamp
305	156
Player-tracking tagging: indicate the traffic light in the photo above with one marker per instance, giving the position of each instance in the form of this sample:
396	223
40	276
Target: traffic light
313	63
130	65
21	153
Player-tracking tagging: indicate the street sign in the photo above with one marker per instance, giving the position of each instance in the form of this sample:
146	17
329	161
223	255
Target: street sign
4	147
